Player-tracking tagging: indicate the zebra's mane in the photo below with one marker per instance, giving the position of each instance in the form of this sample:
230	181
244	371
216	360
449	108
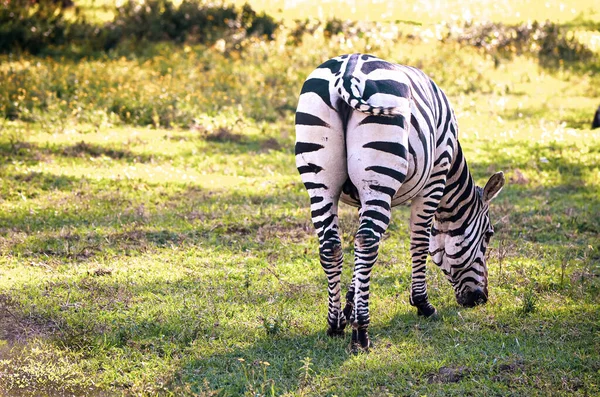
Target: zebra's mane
460	194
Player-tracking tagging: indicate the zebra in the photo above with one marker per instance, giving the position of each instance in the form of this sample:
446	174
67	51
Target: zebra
596	120
374	135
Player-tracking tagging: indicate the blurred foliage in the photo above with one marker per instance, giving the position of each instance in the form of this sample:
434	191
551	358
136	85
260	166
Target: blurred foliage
157	69
31	27
161	88
549	41
35	27
192	21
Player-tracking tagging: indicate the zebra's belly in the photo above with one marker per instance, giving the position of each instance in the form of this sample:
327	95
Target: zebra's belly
417	177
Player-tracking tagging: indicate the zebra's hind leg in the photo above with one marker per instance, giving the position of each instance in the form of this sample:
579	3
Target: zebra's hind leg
324	197
374	220
377	166
321	161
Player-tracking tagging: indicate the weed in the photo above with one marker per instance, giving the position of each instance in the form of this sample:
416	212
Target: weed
529	302
257	381
306	370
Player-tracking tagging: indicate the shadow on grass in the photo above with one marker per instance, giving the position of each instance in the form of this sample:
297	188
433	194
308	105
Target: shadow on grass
548	197
207	330
203	322
135	218
31	153
223	141
91	217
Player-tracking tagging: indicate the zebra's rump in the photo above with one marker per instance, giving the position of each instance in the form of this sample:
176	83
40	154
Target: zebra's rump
416	179
383	120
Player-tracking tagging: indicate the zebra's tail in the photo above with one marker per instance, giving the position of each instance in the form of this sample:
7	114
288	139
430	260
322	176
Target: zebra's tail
350	92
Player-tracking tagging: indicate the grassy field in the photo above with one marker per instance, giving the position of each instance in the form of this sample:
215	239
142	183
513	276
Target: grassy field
156	238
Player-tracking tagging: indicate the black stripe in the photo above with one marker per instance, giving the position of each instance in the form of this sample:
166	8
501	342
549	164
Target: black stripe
319	87
397	120
383	189
309	119
321	211
465	280
312	185
415	123
379	203
389	147
330	234
391	87
425	116
325	222
368	224
316	199
377	216
399	176
310	168
332	65
306	147
448	113
368	67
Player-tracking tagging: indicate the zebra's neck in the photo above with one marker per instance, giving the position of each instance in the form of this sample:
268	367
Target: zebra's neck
460	191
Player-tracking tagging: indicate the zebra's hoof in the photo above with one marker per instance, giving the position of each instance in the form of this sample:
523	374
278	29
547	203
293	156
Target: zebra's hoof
335	332
360	341
427	311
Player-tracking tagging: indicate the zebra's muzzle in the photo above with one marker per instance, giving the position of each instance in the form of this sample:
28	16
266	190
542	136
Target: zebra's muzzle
472	298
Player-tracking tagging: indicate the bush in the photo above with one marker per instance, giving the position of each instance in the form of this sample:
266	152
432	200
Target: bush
31	27
193	21
550	42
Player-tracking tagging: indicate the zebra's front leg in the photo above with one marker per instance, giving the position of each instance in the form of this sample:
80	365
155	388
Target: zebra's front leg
420	224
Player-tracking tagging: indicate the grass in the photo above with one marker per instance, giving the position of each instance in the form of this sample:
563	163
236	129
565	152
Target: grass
156	250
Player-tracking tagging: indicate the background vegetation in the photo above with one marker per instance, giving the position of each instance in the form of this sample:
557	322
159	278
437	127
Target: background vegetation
156	238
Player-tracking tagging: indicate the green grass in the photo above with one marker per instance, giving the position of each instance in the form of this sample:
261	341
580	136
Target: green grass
156	238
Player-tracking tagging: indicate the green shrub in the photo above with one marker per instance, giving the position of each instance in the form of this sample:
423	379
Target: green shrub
549	41
34	27
31	27
193	21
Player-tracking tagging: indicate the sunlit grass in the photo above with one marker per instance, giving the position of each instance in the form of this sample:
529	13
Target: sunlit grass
148	256
431	11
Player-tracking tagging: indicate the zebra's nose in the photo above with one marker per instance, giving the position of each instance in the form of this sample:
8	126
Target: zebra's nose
473	298
479	297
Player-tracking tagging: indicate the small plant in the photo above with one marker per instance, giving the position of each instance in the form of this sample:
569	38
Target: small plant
273	325
529	302
306	370
257	381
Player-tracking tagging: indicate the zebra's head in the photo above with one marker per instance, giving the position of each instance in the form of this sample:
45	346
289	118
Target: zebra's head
458	244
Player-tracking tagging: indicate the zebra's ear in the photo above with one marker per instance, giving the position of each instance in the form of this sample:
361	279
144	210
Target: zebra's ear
493	186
